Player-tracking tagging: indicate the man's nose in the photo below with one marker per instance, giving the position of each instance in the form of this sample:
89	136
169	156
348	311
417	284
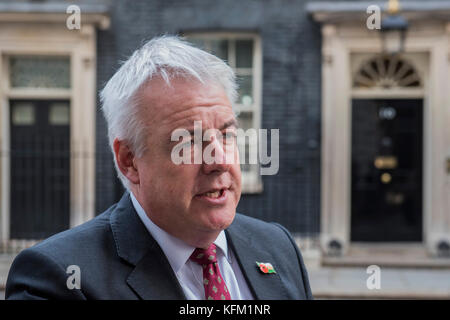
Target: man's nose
215	157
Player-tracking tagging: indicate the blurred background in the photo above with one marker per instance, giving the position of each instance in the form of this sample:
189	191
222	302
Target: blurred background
358	89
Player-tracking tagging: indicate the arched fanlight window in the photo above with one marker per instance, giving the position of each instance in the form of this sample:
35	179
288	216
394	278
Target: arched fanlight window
386	71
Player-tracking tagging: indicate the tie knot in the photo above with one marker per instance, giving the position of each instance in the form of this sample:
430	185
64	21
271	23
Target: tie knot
205	256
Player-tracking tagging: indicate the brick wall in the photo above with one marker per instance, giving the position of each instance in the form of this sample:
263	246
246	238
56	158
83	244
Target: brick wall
291	92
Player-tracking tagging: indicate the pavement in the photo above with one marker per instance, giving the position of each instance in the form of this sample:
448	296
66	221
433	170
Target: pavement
395	283
5	263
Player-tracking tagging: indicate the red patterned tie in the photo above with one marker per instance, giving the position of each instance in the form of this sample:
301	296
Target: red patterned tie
213	282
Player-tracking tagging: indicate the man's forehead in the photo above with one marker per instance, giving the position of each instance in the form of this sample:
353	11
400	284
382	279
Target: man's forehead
182	91
182	103
219	124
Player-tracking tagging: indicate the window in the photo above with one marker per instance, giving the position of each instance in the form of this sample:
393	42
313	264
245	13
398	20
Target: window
23	114
39	72
59	114
242	52
386	72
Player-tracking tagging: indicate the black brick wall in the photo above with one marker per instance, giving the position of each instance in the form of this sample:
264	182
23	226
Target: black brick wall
291	92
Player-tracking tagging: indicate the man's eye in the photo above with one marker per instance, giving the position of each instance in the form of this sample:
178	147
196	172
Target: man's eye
230	135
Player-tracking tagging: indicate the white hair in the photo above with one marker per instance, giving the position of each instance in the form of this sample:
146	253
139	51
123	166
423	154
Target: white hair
167	57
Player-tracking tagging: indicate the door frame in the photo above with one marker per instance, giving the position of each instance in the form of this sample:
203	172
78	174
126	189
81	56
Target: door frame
340	40
80	45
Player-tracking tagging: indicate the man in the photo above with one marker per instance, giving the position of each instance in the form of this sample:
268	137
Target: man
175	233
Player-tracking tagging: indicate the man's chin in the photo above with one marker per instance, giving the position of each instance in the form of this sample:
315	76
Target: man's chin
218	220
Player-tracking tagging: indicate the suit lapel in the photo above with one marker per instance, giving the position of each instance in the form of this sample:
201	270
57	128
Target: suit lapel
152	277
264	286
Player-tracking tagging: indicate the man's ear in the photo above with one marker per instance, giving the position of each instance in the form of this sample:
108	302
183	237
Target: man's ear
125	161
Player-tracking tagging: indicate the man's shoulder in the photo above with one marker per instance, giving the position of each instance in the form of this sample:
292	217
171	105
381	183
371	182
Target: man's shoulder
40	271
260	229
245	221
83	238
276	242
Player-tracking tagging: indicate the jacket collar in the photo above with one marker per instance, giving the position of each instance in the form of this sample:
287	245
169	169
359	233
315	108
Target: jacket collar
176	250
247	251
152	277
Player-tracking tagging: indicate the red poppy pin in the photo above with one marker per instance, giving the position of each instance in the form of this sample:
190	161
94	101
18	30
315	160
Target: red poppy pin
265	267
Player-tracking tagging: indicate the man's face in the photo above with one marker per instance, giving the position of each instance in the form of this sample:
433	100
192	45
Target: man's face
187	200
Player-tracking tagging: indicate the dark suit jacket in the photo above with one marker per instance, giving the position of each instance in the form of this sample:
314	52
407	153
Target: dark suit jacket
119	259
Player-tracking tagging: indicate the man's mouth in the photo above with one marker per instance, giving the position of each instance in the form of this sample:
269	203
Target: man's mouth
213	194
214	197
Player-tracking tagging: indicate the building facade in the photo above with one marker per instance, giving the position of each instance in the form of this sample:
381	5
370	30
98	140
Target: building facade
364	141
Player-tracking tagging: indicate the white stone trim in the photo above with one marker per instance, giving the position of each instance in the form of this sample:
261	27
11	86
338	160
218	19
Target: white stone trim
80	46
428	45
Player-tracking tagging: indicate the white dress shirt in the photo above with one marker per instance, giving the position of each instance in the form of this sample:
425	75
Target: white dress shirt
190	273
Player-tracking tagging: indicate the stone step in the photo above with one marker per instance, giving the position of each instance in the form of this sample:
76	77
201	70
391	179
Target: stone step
395	283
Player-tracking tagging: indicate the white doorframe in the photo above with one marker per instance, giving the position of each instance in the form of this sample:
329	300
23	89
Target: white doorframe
339	43
80	46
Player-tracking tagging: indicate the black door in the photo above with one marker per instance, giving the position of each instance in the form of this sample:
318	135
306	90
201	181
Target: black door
386	170
40	168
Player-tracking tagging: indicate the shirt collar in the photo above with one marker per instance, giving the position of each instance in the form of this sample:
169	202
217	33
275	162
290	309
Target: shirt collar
221	243
176	250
